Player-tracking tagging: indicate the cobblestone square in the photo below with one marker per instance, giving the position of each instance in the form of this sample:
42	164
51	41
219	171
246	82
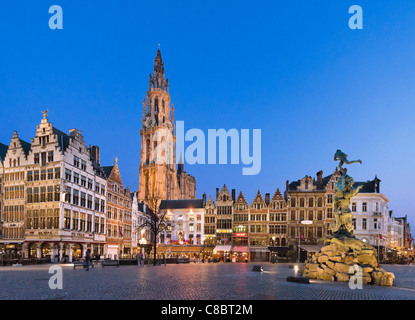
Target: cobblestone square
219	281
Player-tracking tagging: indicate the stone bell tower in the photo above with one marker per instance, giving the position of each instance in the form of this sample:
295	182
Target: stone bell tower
157	179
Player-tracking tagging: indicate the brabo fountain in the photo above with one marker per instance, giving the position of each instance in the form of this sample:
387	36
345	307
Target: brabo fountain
342	252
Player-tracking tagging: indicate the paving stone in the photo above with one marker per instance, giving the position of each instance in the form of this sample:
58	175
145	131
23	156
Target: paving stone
209	281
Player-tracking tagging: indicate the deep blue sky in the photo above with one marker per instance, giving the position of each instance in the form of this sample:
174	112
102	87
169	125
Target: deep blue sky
293	69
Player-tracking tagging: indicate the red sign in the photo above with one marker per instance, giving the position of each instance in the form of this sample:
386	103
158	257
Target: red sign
241	234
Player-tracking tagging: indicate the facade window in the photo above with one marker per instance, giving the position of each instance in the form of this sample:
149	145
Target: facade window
50	193
310	215
36	195
82	220
75	197
68	175
76	178
96	224
35	219
36	158
50	174
29	195
293	204
354	223
49	219
83	181
68	195
329	213
83	165
56	218
50	156
29	220
76	161
57	193
43	175
310	202
83	199
89	203
354	208
364	206
36	175
364	224
75	220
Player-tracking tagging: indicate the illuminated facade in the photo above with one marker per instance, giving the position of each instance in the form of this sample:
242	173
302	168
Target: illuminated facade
119	215
51	187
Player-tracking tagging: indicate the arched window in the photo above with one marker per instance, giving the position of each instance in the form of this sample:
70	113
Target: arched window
148	151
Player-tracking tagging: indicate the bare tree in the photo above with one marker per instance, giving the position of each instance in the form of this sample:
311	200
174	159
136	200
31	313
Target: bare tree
157	221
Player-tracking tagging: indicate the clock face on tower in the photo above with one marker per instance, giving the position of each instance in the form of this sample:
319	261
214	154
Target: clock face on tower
149	123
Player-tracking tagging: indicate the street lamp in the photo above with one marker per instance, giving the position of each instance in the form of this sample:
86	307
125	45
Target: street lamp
305	222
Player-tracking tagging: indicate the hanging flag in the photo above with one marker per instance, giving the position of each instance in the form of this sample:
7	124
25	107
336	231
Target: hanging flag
119	229
301	237
380	236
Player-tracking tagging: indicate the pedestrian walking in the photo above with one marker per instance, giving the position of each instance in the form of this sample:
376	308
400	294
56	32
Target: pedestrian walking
87	259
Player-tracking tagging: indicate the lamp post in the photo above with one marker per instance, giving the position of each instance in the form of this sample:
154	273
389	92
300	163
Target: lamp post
273	252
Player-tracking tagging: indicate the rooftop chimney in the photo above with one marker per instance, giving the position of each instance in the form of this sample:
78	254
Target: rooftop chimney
320	177
94	153
217	193
267	195
233	195
204	199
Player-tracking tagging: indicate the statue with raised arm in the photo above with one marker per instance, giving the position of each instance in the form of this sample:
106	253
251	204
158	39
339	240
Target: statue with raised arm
342	157
45	113
342	248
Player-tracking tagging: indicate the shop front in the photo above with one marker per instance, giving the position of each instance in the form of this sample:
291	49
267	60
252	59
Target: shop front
222	253
278	254
179	251
11	250
259	253
240	254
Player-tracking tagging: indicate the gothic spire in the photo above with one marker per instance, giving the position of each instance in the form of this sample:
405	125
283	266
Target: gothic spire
158	80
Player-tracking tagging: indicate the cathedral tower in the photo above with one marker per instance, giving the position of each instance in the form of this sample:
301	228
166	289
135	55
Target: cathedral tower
160	179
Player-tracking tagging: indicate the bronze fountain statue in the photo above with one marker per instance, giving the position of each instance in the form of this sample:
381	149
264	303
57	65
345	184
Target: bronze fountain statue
343	226
343	251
